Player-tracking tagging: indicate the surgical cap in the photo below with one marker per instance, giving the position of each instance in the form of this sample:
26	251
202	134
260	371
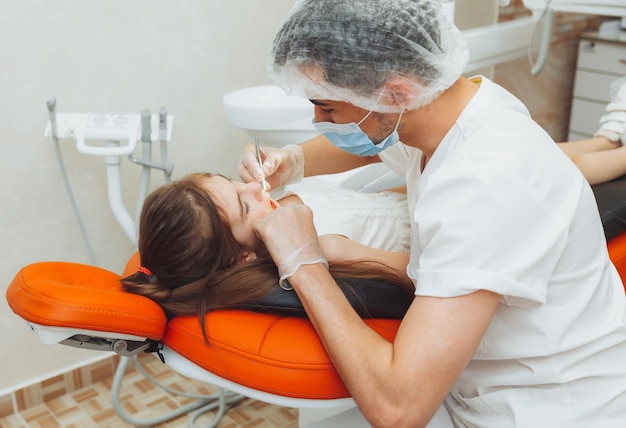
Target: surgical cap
349	50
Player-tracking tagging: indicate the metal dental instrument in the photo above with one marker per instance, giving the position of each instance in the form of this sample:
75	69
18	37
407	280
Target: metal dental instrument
258	158
167	172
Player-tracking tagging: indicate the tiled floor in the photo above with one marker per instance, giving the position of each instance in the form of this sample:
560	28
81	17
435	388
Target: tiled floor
92	406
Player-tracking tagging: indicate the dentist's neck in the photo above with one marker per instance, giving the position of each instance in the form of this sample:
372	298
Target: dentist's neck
427	126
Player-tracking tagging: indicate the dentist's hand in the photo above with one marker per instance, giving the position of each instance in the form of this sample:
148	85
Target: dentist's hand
291	239
281	165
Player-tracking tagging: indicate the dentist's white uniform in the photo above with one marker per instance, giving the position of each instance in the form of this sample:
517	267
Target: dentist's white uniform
513	215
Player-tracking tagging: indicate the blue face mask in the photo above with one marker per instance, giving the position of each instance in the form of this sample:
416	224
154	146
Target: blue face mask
351	138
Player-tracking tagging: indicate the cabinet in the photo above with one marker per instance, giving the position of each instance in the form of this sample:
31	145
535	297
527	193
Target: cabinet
600	62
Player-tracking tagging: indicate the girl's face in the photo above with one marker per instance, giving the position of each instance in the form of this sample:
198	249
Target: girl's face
243	204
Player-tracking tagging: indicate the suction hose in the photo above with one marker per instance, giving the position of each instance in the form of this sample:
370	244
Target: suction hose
51	104
146	138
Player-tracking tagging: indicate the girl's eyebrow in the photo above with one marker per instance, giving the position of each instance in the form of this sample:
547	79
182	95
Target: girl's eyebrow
318	103
234	188
238	198
236	194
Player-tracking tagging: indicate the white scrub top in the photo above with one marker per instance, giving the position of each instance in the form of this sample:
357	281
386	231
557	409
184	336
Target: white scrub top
500	207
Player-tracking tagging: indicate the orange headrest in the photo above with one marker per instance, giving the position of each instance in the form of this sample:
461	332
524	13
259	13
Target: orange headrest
61	294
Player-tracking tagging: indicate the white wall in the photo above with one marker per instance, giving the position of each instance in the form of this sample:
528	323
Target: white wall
108	55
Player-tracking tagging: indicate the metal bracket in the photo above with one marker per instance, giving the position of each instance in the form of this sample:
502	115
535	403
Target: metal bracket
127	348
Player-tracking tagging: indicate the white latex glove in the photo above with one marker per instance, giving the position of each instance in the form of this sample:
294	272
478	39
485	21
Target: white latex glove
291	239
280	165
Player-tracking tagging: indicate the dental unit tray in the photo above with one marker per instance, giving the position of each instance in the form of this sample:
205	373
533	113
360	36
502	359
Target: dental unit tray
88	128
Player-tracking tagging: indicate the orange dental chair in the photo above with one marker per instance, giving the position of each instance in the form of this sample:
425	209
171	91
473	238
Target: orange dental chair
273	357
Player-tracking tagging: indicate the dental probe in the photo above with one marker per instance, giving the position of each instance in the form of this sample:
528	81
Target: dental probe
258	158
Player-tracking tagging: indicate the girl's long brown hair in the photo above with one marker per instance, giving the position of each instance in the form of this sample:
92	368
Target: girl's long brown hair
186	243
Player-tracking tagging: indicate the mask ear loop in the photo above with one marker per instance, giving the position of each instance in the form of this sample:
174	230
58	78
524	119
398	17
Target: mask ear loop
399	119
363	120
371	111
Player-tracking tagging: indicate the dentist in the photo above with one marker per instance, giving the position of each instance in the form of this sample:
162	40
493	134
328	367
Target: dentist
518	318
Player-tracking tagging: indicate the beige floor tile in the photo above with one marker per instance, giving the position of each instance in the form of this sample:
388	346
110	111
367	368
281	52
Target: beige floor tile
91	407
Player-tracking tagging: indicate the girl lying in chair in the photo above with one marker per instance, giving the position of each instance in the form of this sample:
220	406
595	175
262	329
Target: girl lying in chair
199	252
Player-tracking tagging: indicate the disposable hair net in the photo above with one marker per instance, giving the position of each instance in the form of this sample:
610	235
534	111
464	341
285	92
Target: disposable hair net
348	50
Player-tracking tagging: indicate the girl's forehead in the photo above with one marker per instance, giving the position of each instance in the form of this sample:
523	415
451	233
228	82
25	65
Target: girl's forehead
224	193
217	181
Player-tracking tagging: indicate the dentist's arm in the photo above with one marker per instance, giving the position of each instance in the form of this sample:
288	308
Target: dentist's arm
289	164
394	384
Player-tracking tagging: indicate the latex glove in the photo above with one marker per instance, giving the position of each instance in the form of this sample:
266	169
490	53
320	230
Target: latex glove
291	239
280	165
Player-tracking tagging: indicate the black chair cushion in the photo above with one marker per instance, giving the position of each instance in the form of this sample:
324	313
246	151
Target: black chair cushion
370	298
611	199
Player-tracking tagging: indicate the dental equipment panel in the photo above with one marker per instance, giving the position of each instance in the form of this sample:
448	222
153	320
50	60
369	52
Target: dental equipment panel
88	128
113	135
